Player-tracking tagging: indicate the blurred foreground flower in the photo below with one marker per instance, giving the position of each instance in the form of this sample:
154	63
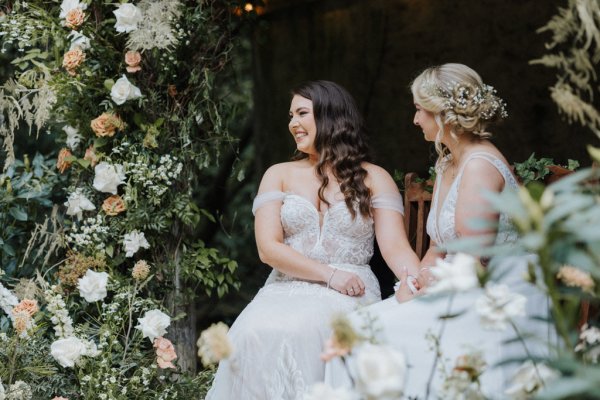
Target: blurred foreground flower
574	277
529	379
380	372
498	306
458	274
321	391
343	339
213	344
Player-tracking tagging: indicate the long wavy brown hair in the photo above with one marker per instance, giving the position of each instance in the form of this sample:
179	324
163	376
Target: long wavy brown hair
341	142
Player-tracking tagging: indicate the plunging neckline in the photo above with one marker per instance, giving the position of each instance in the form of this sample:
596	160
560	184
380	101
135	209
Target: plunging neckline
325	214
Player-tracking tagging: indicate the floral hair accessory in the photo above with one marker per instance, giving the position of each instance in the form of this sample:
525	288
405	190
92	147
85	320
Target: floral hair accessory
469	100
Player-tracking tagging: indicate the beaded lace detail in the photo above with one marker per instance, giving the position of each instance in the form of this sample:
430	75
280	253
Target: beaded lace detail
441	220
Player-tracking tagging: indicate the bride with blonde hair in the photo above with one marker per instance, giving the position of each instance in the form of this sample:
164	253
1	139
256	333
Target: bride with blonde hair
453	110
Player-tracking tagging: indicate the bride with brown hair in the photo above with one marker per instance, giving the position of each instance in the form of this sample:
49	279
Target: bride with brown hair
315	221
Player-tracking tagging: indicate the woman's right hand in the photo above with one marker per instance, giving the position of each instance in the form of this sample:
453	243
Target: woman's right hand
347	283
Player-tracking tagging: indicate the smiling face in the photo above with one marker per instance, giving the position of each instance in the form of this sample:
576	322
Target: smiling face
303	126
426	121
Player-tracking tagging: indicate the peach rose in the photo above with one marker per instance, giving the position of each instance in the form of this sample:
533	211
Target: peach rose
107	124
62	164
28	306
74	18
90	155
114	205
73	59
133	60
165	352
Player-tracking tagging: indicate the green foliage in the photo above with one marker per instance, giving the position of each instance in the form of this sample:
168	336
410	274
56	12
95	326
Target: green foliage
28	190
536	169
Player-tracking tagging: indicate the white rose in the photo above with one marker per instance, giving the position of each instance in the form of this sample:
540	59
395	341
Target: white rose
92	287
528	380
321	391
79	40
67	351
73	136
108	177
77	203
380	372
459	274
128	16
124	90
498	305
68	5
133	241
154	324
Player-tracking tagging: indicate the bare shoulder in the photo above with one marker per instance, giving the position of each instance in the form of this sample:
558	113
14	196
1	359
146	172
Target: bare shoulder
276	175
378	179
481	172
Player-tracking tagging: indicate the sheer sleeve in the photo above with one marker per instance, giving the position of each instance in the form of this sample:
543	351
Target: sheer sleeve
390	201
266	197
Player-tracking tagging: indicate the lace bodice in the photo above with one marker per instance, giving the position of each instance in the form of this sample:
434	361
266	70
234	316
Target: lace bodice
338	239
441	226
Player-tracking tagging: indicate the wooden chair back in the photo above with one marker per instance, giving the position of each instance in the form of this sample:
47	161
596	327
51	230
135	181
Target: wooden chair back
417	202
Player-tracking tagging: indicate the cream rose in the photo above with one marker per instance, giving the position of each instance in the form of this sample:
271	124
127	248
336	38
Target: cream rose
108	177
133	60
68	351
73	59
92	287
123	90
153	324
128	16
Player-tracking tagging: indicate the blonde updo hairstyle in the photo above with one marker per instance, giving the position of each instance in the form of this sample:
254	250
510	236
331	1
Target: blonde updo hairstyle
459	99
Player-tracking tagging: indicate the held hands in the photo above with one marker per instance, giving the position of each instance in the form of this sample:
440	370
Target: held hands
346	283
411	286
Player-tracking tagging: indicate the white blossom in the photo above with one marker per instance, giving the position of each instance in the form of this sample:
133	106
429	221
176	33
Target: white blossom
63	324
67	351
153	324
68	5
321	391
128	16
78	39
133	241
108	177
7	300
124	90
73	136
458	274
19	390
92	286
529	379
77	203
498	306
380	372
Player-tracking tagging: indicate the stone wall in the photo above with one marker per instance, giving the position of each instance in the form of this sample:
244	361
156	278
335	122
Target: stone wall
375	47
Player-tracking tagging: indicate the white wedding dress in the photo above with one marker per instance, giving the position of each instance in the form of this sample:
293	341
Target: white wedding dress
279	336
406	326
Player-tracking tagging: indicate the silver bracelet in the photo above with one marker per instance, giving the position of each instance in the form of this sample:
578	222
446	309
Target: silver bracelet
331	276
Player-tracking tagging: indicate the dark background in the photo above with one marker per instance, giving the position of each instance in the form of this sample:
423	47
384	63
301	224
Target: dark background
376	47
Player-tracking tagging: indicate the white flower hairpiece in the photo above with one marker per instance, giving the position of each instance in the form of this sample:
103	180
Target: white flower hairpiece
464	99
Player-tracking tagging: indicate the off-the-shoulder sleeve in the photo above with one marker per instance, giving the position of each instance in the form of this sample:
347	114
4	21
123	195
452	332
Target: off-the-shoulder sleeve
263	198
389	201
